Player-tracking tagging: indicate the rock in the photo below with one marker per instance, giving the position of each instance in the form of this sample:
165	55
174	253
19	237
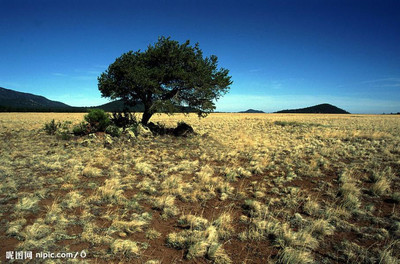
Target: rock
160	129
183	130
108	141
143	131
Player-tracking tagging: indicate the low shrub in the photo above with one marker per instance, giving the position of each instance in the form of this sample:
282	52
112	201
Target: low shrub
81	129
113	131
51	127
63	131
98	120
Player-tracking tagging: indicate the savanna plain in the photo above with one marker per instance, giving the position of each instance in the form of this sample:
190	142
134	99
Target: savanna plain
246	188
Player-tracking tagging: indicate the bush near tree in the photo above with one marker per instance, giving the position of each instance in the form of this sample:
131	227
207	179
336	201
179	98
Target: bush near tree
98	120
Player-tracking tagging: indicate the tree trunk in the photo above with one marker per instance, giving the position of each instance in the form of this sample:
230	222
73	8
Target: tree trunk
146	115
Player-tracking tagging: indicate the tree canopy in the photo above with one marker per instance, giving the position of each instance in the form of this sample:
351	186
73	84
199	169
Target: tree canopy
165	77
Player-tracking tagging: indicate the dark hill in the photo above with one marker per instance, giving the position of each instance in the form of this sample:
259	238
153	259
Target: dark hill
317	109
252	111
118	105
12	100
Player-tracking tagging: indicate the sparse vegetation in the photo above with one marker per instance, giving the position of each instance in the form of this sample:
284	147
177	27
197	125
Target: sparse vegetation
51	127
244	188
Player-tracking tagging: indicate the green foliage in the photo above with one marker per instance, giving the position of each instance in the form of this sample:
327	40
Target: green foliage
63	131
81	129
165	77
97	119
133	129
51	127
124	119
113	131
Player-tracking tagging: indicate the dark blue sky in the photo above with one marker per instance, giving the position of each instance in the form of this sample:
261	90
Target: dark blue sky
281	54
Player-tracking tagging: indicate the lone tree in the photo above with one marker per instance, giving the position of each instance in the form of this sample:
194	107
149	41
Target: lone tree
166	78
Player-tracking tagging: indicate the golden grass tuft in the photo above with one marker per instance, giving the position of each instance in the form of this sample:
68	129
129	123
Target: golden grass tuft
125	248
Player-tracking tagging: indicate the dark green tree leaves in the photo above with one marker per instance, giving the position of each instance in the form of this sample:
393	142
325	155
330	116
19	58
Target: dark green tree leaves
166	78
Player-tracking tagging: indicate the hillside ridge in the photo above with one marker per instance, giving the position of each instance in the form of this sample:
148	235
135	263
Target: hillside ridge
252	111
10	99
317	109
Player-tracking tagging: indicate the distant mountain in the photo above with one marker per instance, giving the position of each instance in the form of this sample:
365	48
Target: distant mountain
118	105
252	111
317	109
12	100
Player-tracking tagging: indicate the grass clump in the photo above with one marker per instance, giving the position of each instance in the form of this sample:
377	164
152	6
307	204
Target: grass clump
380	187
92	234
255	208
166	203
27	203
203	239
217	253
152	234
136	224
295	256
349	192
386	257
125	248
321	227
90	171
14	228
72	199
286	237
311	207
38	236
193	222
111	191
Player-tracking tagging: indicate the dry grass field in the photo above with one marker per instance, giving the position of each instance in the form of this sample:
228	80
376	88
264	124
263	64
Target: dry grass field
248	188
